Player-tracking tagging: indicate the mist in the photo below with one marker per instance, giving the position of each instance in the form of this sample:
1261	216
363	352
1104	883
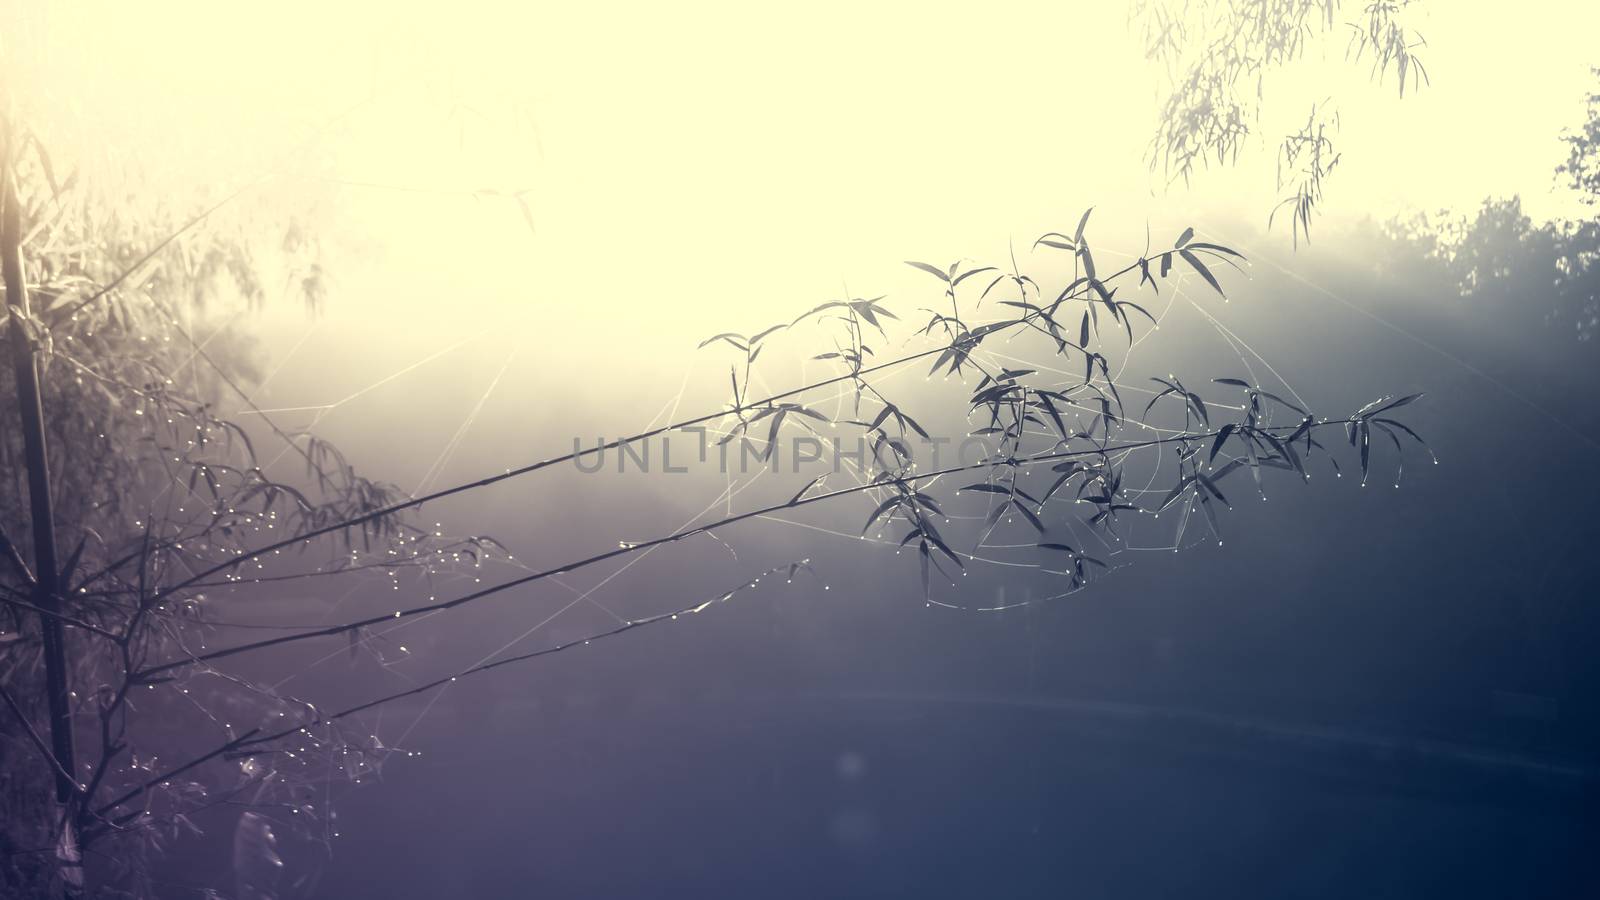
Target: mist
433	264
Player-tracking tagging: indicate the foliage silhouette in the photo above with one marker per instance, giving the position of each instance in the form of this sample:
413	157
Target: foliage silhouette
1498	256
1219	56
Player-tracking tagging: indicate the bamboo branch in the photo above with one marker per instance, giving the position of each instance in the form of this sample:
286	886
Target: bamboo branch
463	487
15	558
334	630
34	738
254	737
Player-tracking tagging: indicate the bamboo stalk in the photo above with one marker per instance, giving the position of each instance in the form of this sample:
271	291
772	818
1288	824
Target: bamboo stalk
47	570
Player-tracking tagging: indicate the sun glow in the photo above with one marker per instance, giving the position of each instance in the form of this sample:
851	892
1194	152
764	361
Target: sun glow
561	165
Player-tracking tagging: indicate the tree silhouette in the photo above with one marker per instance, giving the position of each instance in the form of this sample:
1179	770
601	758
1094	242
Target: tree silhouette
1500	258
1582	167
120	462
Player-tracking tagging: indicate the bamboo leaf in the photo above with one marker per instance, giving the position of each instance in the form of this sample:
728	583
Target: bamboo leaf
1078	235
1200	267
933	270
1222	438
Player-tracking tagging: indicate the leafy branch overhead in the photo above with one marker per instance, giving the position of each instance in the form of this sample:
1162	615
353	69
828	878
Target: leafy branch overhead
1221	55
1024	418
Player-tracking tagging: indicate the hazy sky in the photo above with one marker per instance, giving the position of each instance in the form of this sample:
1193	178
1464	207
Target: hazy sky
681	156
828	95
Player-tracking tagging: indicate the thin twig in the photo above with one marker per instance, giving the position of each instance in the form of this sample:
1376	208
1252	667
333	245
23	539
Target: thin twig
34	738
334	630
